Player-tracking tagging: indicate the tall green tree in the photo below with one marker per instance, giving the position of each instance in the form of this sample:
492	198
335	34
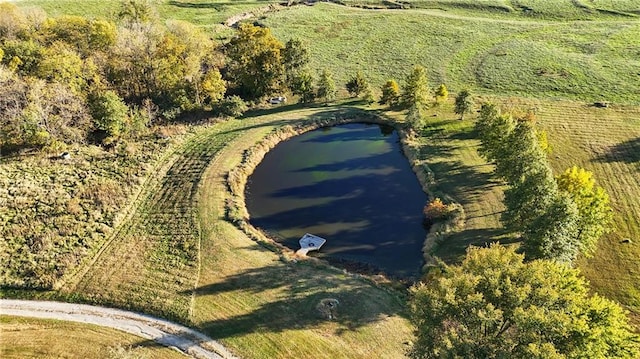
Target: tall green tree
357	84
390	94
464	103
326	86
552	235
302	85
416	89
255	63
592	203
493	130
494	305
295	58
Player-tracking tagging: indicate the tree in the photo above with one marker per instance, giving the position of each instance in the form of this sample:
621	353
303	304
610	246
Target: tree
493	130
213	86
12	21
295	57
109	112
326	86
302	85
442	94
552	234
592	204
464	103
136	11
232	106
22	56
529	198
255	63
390	93
61	63
416	117
494	305
357	84
416	89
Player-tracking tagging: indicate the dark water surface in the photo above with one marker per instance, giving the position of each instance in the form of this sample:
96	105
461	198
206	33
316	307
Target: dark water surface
350	184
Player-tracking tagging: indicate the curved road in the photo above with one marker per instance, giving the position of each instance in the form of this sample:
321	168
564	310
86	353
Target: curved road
188	341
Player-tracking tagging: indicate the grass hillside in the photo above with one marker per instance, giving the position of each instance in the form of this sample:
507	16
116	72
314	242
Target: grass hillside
173	253
178	256
587	60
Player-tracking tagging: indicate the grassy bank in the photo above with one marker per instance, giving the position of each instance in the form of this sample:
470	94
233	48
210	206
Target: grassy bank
178	257
604	141
39	338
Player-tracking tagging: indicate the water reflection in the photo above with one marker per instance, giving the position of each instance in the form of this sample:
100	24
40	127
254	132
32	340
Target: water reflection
349	184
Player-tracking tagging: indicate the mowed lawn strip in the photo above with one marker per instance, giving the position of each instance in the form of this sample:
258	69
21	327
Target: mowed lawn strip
263	307
152	264
40	338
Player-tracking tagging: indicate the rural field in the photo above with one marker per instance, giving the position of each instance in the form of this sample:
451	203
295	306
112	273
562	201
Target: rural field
161	238
39	338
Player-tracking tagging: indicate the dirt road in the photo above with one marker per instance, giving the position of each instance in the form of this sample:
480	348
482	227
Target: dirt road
173	335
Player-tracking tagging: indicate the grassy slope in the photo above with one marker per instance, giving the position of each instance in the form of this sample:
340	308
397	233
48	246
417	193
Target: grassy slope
38	338
210	14
483	52
245	296
587	60
604	141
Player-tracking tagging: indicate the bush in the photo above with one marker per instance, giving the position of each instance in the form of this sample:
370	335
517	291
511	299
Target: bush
232	106
436	210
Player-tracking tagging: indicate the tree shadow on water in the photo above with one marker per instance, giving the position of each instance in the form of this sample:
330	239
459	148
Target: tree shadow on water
302	297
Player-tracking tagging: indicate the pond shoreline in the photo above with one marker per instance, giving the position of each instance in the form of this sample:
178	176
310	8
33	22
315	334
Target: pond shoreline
237	213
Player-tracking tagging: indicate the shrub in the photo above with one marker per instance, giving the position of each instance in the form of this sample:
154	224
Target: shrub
436	210
232	106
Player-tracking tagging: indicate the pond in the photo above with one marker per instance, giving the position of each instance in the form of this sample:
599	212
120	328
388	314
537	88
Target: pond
349	184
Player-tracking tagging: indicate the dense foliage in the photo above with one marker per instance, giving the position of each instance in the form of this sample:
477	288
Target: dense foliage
65	78
493	305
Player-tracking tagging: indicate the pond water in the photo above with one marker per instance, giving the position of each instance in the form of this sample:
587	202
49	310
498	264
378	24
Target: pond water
349	184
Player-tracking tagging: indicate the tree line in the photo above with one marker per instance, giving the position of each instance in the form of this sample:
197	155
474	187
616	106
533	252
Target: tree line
72	80
558	217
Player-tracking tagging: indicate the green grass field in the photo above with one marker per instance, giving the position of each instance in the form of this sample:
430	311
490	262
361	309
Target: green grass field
589	60
175	255
39	338
604	141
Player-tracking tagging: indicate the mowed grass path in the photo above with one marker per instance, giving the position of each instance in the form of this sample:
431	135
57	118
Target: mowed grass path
235	290
39	338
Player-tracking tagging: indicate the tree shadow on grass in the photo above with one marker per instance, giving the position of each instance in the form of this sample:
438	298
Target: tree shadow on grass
453	248
627	152
300	294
